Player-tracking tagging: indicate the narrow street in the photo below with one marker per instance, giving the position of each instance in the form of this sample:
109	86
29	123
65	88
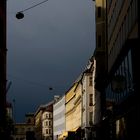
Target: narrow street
68	70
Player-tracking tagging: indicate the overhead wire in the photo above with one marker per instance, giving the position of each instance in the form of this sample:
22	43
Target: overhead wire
34	5
30	82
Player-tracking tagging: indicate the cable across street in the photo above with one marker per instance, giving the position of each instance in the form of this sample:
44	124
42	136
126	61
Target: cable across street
20	14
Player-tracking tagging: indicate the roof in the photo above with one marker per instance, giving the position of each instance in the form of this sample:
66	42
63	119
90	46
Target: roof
45	107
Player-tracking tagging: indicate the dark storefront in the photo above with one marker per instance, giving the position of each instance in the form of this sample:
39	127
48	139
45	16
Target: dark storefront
122	91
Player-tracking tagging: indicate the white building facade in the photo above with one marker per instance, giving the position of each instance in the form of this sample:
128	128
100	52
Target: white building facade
90	101
96	99
59	117
87	101
47	123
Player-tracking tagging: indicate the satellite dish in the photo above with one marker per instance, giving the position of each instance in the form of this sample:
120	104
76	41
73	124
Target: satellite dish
19	15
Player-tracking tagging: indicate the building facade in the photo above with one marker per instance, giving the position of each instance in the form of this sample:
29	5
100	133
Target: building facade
44	122
87	103
25	131
91	102
100	56
59	124
78	109
122	115
100	50
73	110
47	122
70	108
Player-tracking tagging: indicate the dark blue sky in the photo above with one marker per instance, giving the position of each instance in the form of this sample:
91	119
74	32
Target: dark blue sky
49	47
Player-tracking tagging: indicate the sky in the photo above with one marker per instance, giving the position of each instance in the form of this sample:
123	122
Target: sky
49	47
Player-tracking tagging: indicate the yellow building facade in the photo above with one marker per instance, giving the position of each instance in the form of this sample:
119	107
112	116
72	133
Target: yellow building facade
78	106
73	107
70	95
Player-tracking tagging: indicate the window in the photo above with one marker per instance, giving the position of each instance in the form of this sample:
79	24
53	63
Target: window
90	118
49	123
47	116
99	41
47	131
46	123
90	99
99	12
50	131
90	81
